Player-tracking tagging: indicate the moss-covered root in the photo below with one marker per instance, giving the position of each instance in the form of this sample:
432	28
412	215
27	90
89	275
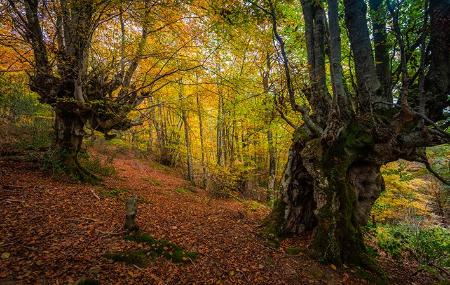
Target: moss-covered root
272	226
163	248
138	257
86	281
155	248
61	162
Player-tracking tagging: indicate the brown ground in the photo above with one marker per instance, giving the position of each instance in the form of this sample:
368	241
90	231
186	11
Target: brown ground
57	232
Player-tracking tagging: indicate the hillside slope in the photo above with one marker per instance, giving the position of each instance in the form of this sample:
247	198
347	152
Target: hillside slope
56	232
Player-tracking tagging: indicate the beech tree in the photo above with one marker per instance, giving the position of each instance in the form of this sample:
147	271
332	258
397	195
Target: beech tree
393	110
83	88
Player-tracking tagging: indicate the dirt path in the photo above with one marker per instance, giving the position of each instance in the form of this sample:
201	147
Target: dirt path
55	232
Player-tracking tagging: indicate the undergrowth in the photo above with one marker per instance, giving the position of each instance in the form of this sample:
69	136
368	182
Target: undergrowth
94	165
407	215
428	246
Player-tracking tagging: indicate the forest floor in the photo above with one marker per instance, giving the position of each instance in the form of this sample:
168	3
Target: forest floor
55	232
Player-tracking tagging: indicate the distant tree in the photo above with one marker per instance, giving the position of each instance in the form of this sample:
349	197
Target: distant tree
393	110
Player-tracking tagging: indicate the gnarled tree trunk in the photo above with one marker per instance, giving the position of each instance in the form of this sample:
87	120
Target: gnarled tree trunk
69	134
329	190
333	177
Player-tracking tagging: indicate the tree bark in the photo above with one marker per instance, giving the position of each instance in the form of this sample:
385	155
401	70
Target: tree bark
151	123
202	142
366	78
220	132
340	99
187	138
68	139
130	225
272	164
315	32
437	83
330	190
381	46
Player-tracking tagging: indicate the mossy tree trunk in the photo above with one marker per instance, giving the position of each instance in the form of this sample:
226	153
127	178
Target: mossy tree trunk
68	139
329	190
63	77
332	177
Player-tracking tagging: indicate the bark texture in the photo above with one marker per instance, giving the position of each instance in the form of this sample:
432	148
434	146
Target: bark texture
330	189
332	177
130	225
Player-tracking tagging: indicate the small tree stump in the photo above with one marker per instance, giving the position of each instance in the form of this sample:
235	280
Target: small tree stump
130	215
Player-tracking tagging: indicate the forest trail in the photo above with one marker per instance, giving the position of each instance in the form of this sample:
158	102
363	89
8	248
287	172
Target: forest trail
55	232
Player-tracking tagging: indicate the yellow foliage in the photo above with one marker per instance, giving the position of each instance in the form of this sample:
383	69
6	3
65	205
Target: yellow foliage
410	194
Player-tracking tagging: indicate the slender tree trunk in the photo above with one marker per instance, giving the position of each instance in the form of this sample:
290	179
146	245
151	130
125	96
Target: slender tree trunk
272	164
225	145
151	123
187	139
318	97
163	139
220	131
237	143
232	142
202	142
340	98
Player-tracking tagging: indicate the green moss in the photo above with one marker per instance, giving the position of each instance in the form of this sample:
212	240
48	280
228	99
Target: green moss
293	250
152	181
338	231
114	193
84	281
301	134
182	190
253	205
138	257
272	225
162	248
373	278
96	166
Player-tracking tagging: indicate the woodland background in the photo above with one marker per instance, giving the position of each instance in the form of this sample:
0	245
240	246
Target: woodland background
212	117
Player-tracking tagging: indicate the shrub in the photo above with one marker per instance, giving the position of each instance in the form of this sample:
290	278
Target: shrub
51	164
96	166
222	183
430	247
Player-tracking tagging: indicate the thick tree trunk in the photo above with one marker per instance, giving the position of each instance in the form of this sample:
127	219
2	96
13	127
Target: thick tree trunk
330	190
69	133
366	77
381	47
437	81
